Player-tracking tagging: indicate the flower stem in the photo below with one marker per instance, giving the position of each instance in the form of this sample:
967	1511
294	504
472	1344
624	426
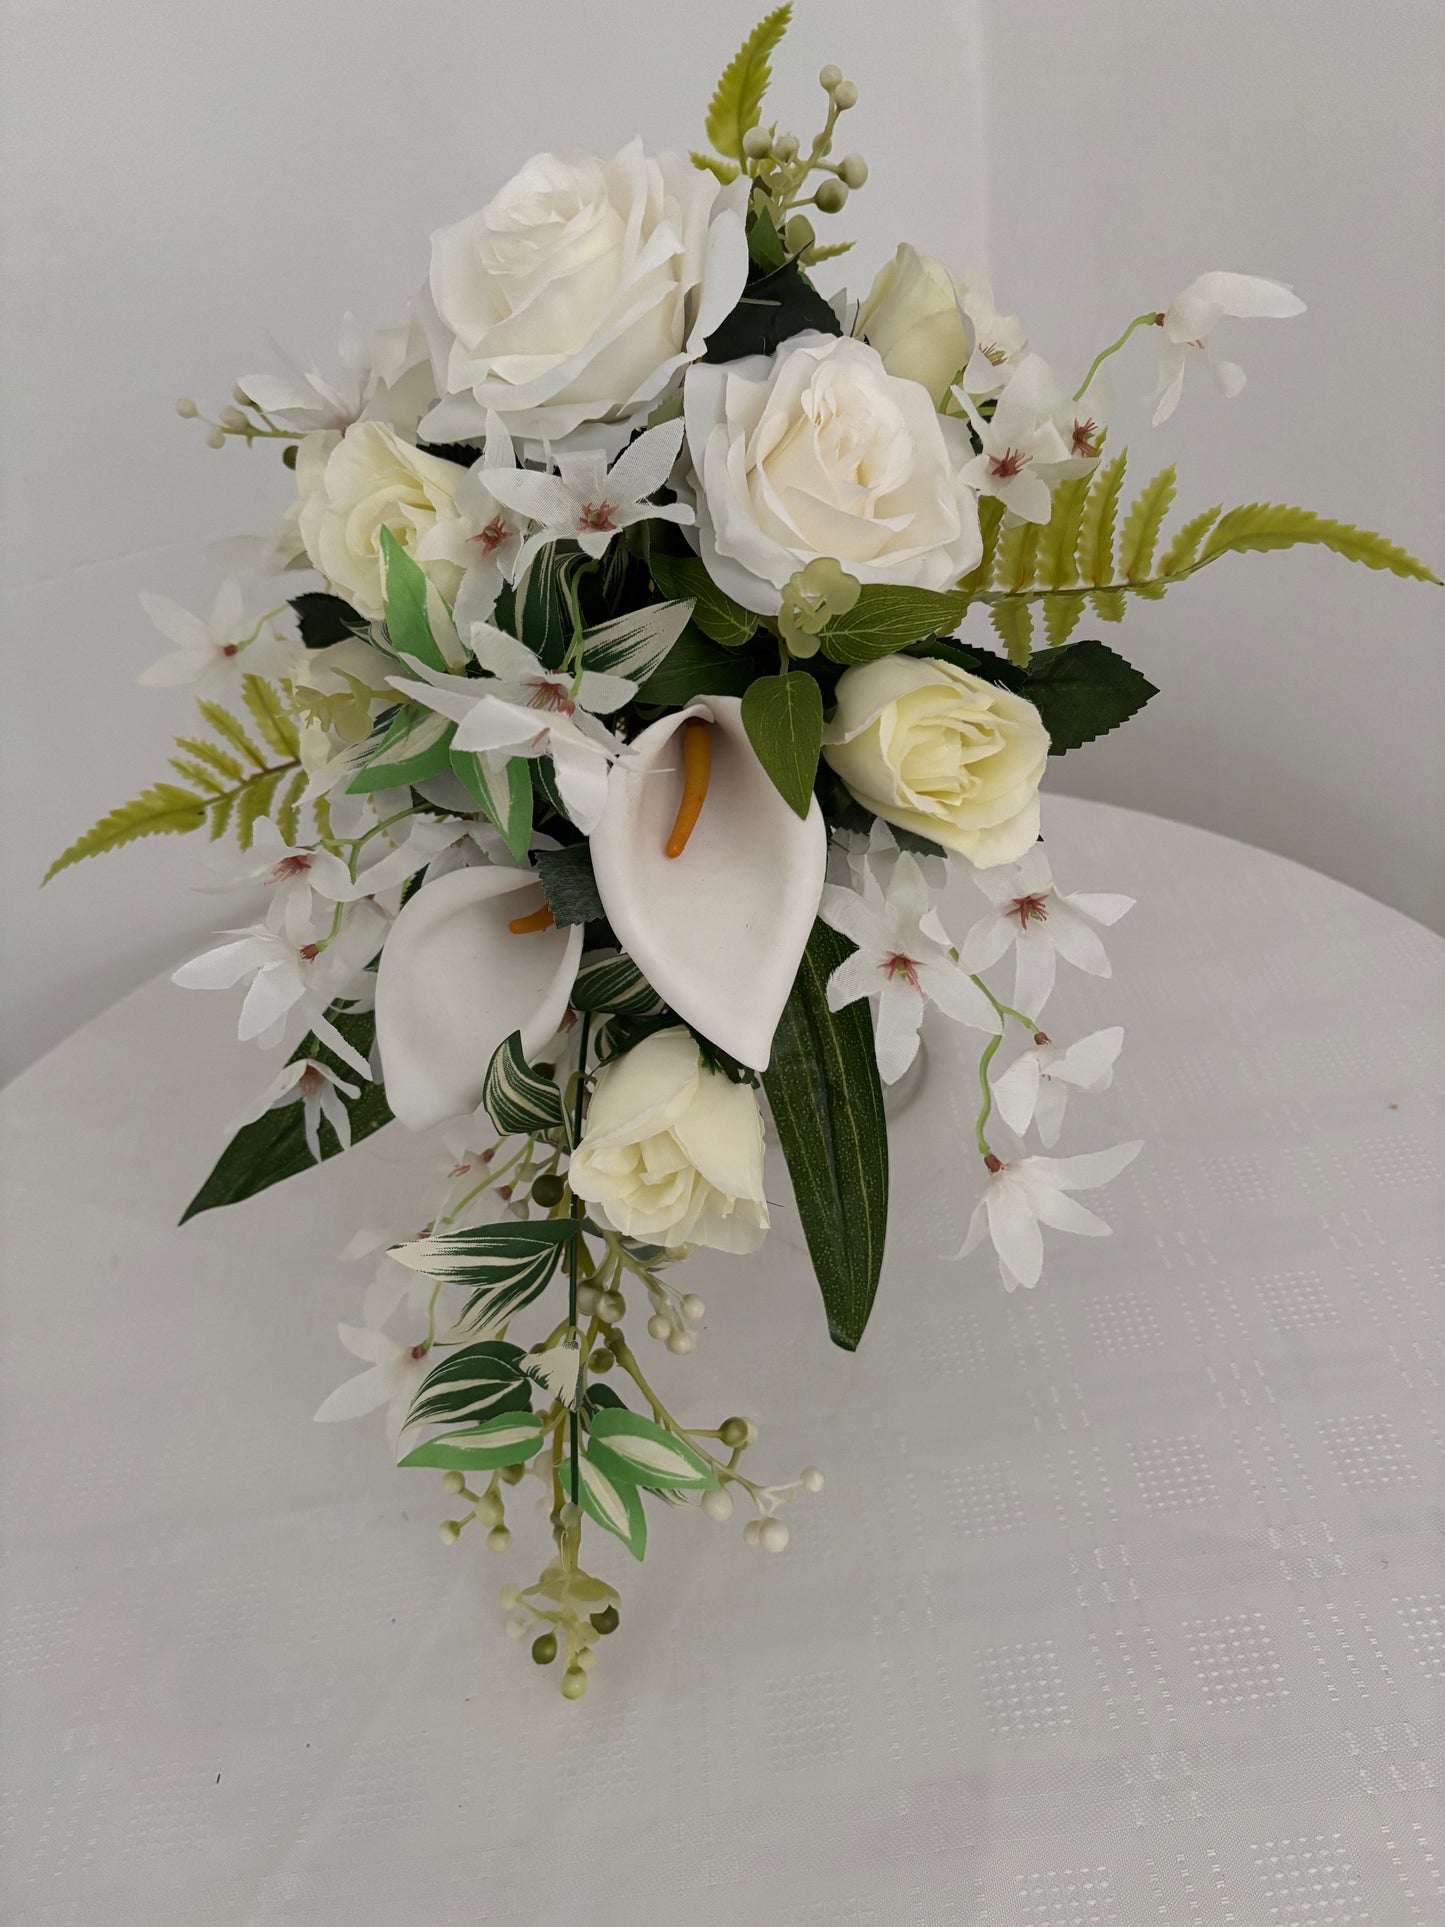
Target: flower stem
986	1109
1004	1010
573	1247
1151	320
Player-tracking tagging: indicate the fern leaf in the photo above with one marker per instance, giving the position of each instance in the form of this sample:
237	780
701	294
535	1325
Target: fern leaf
253	800
269	714
321	810
1014	622
724	172
737	104
197	773
1062	615
226	725
288	810
1180	554
219	815
1017	556
990	526
163	810
1109	604
1142	525
218	759
1265	525
1096	526
825	251
1060	539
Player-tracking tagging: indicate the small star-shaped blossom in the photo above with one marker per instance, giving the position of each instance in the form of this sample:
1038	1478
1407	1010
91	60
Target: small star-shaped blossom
1022	445
1193	315
1035	1087
999	341
588	503
484	537
1038	921
1021	1197
393	1375
386	376
904	960
320	1092
213	652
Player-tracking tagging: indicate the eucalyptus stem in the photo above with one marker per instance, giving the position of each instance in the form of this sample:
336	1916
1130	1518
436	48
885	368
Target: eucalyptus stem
1151	320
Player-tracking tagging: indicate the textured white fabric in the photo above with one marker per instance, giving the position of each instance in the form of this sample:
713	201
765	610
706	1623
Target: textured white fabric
1123	1603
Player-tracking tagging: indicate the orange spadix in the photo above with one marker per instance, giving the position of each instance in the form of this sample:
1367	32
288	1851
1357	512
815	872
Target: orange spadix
524	926
696	769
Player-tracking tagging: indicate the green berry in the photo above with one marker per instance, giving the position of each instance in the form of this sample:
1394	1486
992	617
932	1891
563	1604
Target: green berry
498	1539
601	1360
832	197
734	1432
830	77
490	1510
574	1683
799	234
548	1190
853	170
845	95
544	1648
611	1307
608	1620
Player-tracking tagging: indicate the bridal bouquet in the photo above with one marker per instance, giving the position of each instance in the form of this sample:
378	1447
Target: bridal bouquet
601	773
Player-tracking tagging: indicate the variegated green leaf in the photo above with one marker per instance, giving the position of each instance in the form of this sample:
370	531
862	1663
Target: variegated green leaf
613	1502
509	1440
635	644
628	1446
507	1264
472	1384
415	745
511	813
519	1101
610	982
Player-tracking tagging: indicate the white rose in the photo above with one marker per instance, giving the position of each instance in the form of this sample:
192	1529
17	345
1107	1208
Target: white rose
351	487
579	292
929	747
672	1152
818	451
913	316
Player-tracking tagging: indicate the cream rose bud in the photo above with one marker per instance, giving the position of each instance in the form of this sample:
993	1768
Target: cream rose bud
913	316
818	451
672	1152
932	749
351	487
579	293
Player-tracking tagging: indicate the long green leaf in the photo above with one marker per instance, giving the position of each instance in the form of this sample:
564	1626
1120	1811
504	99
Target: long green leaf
1014	623
783	716
738	101
1142	525
511	1439
162	810
1266	525
1180	554
408	623
520	1101
507	1265
268	712
611	982
827	1104
613	1502
635	644
1096	530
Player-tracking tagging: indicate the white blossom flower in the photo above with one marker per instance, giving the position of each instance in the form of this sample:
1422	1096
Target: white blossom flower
999	341
394	1371
526	709
213	652
294	874
1030	914
1194	314
857	858
1022	445
904	960
390	1283
320	1092
484	538
587	502
1021	1197
386	377
1035	1087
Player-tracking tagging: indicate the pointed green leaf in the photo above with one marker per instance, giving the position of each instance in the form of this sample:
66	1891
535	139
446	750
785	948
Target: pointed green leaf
404	588
1014	622
737	103
473	1383
415	745
569	885
1084	690
1060	540
511	1439
1096	528
990	528
1017	558
611	982
510	814
1142	524
1062	616
508	1265
630	1447
162	810
226	725
720	619
783	716
326	619
1180	554
613	1502
253	801
695	667
636	644
544	620
268	711
519	1101
1265	525
886	618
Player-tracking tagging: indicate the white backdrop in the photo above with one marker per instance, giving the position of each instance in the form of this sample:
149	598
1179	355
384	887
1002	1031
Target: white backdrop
180	180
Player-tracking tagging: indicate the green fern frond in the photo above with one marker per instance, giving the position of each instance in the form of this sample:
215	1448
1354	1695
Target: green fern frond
1013	619
725	172
163	810
1017	557
225	725
218	817
204	752
1096	526
197	773
990	526
738	102
1060	539
1142	524
1179	556
288	810
825	251
252	802
1062	616
1109	604
268	711
1265	525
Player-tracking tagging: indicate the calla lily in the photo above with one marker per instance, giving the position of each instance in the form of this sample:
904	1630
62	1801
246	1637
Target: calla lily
719	930
455	982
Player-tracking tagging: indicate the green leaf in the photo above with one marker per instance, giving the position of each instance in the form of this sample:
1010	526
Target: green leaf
885	618
162	810
696	667
274	1147
720	618
326	619
507	1266
1265	525
1096	528
511	1439
1084	690
827	1104
1142	524
520	1102
253	801
737	102
990	528
724	172
1060	540
473	1383
613	1503
1014	623
416	745
268	712
197	773
771	311
1109	604
1180	554
1017	557
404	588
219	816
631	1448
544	621
288	818
611	982
783	716
569	885
1062	616
218	759
636	644
512	817
765	244
226	725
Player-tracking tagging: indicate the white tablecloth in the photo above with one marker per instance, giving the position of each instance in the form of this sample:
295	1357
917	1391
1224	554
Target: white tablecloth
1123	1603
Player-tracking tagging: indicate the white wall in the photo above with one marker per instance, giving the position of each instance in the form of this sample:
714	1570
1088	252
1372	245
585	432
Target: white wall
182	179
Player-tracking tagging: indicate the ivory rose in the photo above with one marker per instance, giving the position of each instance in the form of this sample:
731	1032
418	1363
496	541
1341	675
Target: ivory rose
578	293
351	487
818	451
933	749
913	316
672	1152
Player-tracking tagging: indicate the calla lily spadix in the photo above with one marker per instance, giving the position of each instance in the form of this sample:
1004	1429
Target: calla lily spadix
719	930
455	982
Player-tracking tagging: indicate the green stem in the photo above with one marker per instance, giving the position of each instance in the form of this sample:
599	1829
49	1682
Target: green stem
1150	320
986	1108
573	1247
1004	1010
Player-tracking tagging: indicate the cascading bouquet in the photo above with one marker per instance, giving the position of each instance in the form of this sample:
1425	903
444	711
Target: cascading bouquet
606	777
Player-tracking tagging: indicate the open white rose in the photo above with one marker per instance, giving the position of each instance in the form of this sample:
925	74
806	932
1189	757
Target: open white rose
818	451
579	292
672	1152
351	487
913	316
927	746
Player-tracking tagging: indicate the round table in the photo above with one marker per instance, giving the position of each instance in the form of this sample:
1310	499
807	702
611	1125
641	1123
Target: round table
1122	1603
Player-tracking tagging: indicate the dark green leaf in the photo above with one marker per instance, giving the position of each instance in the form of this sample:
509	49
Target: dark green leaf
1083	690
696	667
886	618
569	885
544	621
771	311
611	982
827	1103
507	1265
325	619
717	615
783	716
471	1384
416	745
519	1101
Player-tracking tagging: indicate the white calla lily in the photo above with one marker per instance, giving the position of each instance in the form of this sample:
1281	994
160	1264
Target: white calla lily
719	930
455	982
